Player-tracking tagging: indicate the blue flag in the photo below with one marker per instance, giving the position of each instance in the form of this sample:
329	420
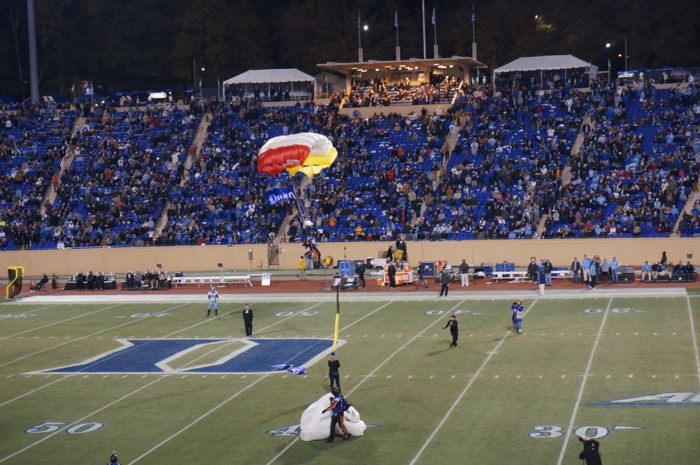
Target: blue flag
277	195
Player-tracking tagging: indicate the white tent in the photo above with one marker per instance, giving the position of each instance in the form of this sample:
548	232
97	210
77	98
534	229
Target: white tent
546	63
269	76
274	76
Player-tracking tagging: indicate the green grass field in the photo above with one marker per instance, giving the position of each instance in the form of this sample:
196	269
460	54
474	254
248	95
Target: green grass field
496	399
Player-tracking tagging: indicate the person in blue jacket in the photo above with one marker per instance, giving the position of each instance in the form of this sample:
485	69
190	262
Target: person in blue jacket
614	267
517	309
586	267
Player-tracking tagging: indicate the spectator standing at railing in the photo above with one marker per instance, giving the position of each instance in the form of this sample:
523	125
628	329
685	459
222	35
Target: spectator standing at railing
614	268
586	267
464	273
593	271
575	271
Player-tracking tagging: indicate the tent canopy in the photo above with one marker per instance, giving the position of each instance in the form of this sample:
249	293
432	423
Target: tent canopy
545	62
269	76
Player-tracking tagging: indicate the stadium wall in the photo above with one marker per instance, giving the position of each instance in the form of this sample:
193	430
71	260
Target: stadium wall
204	259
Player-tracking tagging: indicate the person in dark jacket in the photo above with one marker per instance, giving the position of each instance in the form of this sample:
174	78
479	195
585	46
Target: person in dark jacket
334	371
575	271
338	407
360	272
391	271
454	329
590	451
248	319
532	270
444	283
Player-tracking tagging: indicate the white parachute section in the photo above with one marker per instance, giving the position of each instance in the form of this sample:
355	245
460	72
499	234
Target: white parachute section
315	425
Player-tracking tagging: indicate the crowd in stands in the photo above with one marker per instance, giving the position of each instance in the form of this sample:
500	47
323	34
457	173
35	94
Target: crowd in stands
488	166
378	93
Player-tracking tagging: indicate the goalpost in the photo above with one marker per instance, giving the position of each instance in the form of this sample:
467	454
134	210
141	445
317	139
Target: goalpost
14	286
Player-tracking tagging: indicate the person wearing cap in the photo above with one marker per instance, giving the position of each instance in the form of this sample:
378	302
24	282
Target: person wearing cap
248	319
334	371
590	451
113	460
213	297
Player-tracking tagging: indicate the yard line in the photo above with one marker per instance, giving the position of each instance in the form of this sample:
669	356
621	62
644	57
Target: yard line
695	341
583	384
200	418
491	353
229	399
78	338
50	435
369	376
130	394
60	322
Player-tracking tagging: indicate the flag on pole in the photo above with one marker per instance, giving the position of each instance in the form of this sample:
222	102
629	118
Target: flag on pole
433	15
358	18
473	14
608	64
72	88
396	18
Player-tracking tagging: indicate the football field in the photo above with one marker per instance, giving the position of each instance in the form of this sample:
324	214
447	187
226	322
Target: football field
160	383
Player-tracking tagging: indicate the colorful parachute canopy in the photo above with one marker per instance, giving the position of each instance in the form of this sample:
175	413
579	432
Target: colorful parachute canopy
307	152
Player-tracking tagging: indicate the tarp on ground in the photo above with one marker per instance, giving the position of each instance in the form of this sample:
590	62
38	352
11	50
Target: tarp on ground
545	62
269	76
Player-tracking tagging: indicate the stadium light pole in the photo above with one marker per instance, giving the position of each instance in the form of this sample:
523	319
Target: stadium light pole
33	65
359	37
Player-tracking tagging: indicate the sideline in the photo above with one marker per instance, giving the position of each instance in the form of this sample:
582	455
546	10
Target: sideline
694	337
361	297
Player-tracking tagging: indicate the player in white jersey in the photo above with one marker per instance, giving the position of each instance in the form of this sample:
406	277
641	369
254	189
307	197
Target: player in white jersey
213	297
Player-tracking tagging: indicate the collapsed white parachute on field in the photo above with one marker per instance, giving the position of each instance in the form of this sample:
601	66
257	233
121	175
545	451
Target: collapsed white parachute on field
316	425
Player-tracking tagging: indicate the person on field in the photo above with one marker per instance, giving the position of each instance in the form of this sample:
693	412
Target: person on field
213	297
334	371
248	319
517	309
590	453
454	329
338	407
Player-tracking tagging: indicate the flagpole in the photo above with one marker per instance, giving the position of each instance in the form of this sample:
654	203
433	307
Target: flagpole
474	36
396	26
436	55
425	53
359	38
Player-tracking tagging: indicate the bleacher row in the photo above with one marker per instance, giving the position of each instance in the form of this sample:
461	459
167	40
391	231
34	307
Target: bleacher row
501	172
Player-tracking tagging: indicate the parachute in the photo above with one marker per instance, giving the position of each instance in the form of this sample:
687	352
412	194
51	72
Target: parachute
307	152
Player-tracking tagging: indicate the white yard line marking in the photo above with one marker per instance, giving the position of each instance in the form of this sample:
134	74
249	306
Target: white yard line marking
134	392
583	384
80	420
695	340
371	374
473	378
61	321
229	399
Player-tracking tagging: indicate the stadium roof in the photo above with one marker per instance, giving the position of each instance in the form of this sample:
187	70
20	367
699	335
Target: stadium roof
543	63
268	76
423	64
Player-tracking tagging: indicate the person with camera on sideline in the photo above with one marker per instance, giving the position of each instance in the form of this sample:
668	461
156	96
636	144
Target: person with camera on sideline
590	451
517	309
